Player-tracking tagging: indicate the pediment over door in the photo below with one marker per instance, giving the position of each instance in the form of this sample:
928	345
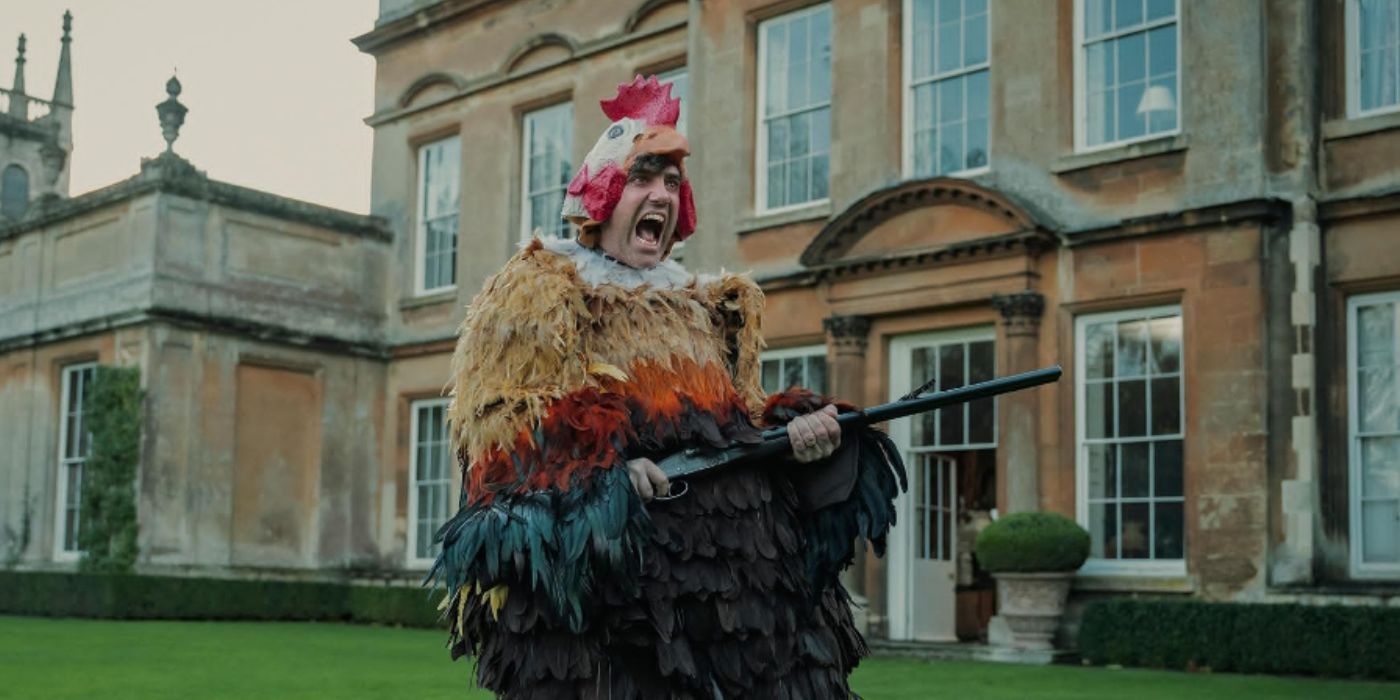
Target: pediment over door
923	219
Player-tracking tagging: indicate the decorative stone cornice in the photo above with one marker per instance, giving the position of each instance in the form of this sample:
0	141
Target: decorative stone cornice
867	213
172	174
849	334
1020	312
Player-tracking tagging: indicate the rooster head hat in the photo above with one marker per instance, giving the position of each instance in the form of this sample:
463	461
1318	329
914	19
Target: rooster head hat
643	122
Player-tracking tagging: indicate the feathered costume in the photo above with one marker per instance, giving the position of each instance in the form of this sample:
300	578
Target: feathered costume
561	582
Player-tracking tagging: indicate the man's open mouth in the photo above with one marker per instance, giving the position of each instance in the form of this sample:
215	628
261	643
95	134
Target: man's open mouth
650	226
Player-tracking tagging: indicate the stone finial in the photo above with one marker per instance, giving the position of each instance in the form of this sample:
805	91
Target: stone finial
17	86
1020	311
171	113
63	82
19	103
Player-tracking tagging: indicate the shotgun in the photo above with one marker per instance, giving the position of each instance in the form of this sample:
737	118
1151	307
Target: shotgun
696	461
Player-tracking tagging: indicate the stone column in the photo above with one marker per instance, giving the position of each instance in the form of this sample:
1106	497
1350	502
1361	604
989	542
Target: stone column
1018	440
847	339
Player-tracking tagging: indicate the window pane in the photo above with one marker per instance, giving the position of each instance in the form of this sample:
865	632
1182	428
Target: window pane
1166	469
1170	531
816	373
1098	411
1380	468
1127	13
820	176
1136	531
975	38
1166	345
792	373
799	136
1098	350
948	42
1380	538
1375	335
1132	59
1158	9
1377	400
1131	123
1166	406
1161	51
777	185
798	173
1132	348
772	382
1098	17
950	100
1103	472
1132	408
1103	530
1136	479
978	94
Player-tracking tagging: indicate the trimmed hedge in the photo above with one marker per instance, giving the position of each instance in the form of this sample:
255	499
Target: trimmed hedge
1332	640
130	597
1032	542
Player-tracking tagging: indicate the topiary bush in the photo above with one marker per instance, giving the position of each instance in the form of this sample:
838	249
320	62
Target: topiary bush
1032	542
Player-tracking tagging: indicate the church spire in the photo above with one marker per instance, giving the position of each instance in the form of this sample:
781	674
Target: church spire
63	86
19	105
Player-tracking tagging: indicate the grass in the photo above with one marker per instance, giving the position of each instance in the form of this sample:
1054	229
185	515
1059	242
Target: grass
210	660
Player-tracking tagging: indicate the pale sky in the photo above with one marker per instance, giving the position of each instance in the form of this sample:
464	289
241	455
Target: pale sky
277	93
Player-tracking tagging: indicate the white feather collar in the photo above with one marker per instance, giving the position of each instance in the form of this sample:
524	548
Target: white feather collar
596	269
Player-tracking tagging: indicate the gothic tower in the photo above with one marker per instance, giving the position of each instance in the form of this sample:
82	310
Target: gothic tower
36	136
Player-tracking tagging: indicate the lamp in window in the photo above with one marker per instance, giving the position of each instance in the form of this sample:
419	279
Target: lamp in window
1157	98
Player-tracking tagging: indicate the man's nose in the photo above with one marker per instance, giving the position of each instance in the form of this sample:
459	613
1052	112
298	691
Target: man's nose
657	192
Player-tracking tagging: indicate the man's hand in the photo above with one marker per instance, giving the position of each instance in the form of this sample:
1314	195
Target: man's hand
648	479
816	435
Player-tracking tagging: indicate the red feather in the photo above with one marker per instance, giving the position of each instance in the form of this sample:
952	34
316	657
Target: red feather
685	213
646	100
580	181
603	192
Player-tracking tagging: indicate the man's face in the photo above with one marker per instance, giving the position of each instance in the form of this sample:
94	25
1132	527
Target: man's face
644	220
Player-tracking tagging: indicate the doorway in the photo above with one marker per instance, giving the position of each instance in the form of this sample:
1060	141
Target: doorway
935	590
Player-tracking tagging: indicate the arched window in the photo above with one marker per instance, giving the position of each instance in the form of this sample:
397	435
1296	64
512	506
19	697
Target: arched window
14	192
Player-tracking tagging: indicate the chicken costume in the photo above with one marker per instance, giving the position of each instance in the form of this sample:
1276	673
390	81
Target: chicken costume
560	581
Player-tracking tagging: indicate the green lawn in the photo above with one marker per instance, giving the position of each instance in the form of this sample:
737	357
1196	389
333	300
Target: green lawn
208	660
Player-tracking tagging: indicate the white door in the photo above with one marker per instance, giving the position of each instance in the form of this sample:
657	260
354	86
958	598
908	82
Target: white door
933	570
922	565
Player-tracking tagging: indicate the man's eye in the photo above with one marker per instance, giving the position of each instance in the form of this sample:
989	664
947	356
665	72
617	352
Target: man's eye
673	185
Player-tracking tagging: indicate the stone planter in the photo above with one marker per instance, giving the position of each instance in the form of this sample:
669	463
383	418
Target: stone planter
1032	604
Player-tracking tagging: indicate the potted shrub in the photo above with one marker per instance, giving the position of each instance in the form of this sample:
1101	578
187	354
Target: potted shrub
1033	557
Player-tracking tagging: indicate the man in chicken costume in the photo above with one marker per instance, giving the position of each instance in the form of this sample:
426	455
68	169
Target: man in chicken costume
571	570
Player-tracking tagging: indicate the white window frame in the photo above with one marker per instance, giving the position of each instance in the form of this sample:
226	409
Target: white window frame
526	231
420	271
1095	566
669	77
1081	107
1352	39
800	351
907	137
60	552
415	407
761	133
1360	569
901	365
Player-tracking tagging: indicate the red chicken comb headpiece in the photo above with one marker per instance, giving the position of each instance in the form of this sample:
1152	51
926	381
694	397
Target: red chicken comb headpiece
644	99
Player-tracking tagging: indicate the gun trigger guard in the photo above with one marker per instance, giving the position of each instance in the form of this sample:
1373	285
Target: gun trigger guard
684	489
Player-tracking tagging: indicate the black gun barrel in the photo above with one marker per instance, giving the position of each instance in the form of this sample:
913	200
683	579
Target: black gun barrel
775	441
